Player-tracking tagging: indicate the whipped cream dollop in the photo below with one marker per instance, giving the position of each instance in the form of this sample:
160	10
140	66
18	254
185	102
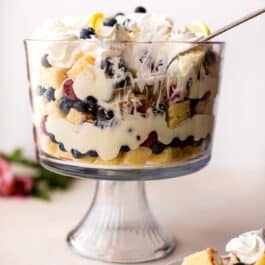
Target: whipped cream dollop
141	27
248	247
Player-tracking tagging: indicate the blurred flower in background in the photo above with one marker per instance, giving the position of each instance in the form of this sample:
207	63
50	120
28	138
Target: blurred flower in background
22	177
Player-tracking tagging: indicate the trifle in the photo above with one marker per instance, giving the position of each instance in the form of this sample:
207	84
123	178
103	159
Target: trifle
246	249
110	102
102	94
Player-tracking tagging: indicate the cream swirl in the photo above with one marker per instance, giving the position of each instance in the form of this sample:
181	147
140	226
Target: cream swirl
248	247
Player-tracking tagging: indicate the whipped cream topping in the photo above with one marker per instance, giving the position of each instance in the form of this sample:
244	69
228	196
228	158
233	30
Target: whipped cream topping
67	28
93	83
248	247
133	27
140	27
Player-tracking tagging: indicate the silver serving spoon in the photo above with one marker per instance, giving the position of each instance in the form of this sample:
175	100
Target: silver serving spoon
219	32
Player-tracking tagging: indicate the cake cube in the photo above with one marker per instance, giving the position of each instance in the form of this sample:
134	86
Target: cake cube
75	117
138	157
165	157
205	257
261	260
80	66
177	113
52	77
48	146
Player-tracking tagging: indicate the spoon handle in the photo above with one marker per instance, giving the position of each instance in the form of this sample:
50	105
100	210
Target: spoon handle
234	24
220	31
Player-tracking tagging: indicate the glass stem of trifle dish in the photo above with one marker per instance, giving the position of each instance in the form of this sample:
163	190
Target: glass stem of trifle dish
120	227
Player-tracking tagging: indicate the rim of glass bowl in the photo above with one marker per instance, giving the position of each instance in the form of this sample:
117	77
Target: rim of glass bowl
124	42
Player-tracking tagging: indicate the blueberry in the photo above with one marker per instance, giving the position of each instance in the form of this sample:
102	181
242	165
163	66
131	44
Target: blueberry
49	94
193	104
158	148
126	22
91	105
124	149
52	138
199	75
122	66
86	33
110	22
77	154
78	105
92	153
188	141
119	14
189	83
160	110
44	61
62	148
65	104
197	143
159	65
103	117
123	83
140	9
41	90
175	142
210	57
107	66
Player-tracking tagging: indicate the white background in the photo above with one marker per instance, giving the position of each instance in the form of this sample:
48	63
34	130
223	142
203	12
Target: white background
240	132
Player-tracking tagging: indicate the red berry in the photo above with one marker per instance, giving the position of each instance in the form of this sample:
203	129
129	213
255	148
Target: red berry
206	96
152	138
142	107
68	90
43	125
172	89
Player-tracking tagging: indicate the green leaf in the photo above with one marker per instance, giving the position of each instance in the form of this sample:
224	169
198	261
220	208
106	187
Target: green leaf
41	194
16	155
45	180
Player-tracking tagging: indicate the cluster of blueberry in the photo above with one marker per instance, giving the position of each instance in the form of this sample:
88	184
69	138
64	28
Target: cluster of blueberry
158	147
48	93
87	33
61	145
77	154
114	67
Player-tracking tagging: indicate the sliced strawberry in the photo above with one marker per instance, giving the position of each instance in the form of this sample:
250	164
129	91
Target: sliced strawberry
152	138
68	90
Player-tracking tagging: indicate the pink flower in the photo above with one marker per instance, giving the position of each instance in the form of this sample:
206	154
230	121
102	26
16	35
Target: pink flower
6	178
11	185
22	186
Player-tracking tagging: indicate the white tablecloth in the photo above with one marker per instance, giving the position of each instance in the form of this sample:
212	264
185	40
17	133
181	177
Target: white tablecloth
204	209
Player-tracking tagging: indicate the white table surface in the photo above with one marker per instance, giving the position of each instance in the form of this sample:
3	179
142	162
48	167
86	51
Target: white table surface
204	209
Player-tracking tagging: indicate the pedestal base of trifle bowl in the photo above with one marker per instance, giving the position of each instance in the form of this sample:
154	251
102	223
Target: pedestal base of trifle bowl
119	226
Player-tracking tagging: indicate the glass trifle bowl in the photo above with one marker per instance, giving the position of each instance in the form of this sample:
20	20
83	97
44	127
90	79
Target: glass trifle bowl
113	111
